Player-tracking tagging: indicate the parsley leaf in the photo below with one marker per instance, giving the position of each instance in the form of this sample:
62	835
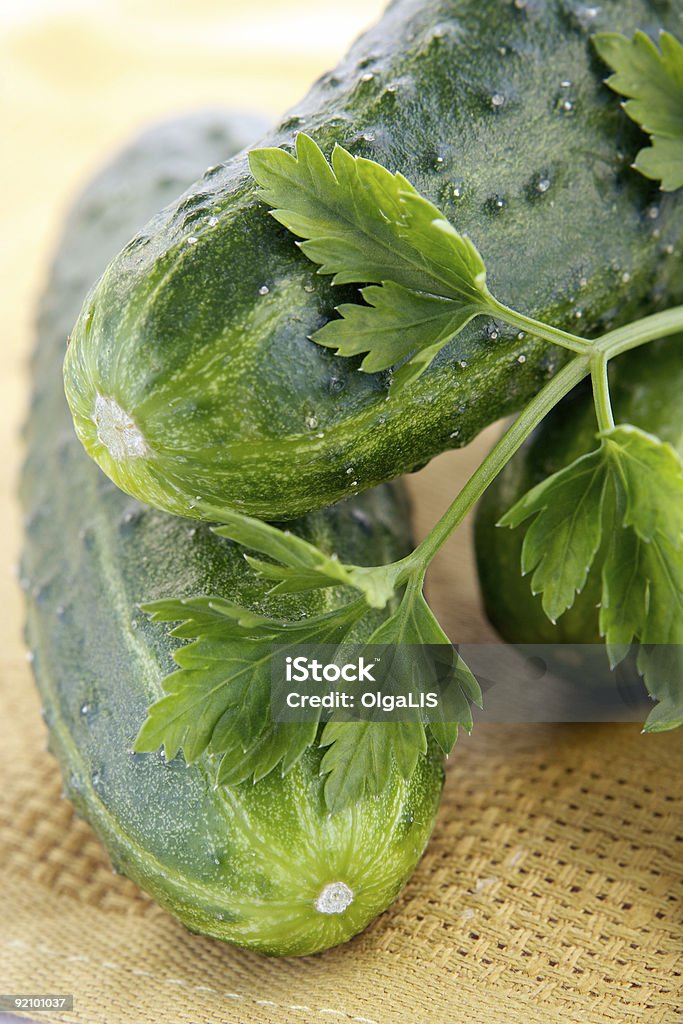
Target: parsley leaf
661	666
413	622
219	699
629	490
359	757
650	478
563	539
624	593
365	225
653	82
452	259
395	323
359	754
642	577
299	565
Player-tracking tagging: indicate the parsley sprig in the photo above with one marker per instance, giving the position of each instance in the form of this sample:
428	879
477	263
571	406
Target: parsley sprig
628	495
361	223
423	282
218	701
652	81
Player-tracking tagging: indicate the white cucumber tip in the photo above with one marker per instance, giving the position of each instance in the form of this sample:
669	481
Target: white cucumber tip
334	898
117	431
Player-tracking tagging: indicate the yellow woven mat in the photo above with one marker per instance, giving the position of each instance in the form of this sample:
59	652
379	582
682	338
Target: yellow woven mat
548	893
551	890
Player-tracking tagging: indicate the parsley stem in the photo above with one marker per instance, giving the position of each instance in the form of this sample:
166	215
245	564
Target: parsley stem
658	325
560	385
541	330
592	360
601	395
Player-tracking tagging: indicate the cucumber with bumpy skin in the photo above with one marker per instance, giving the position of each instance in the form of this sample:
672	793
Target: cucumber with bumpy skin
646	387
191	376
264	866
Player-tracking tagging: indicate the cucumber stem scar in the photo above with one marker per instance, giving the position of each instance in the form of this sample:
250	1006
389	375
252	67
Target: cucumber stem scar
117	431
334	898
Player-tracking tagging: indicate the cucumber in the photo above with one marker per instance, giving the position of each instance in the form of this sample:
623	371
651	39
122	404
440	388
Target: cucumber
646	387
190	374
264	865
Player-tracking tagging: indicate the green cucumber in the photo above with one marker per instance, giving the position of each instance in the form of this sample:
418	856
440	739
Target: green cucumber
190	374
646	387
264	866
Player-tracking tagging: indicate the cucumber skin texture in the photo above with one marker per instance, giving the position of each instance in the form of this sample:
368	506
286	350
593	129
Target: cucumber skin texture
243	865
238	407
646	386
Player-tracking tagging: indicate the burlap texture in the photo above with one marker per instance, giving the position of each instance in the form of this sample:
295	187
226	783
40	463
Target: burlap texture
551	889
